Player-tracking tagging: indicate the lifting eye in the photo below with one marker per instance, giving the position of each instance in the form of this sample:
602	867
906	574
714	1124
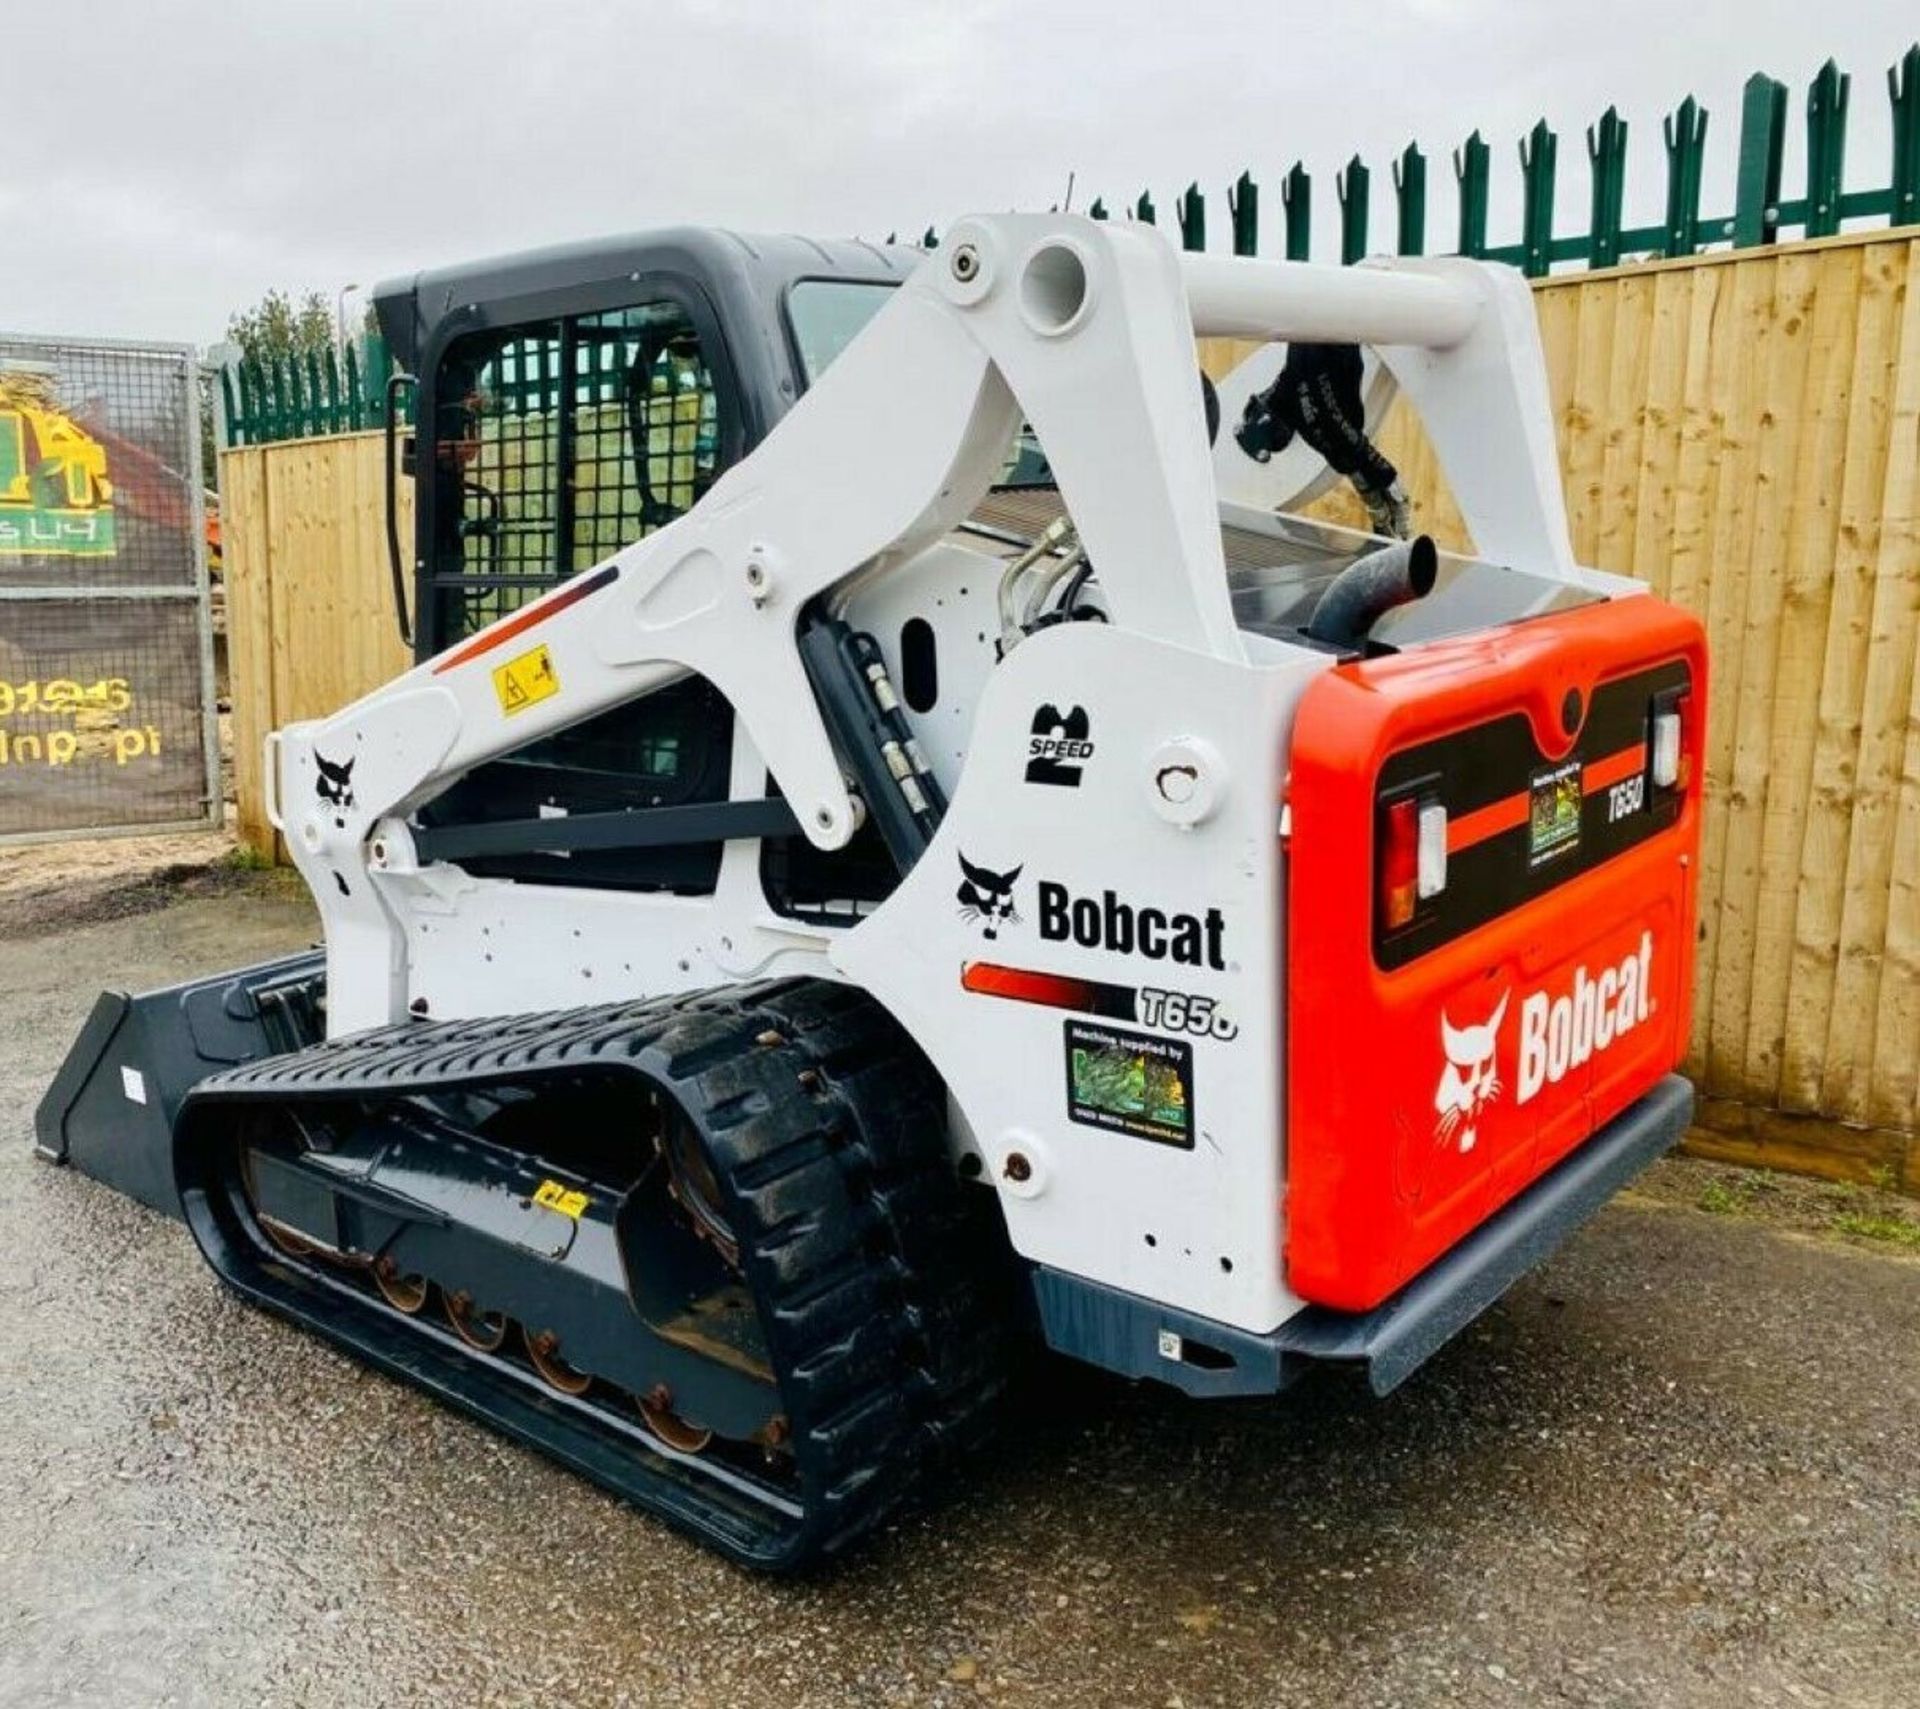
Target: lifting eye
919	668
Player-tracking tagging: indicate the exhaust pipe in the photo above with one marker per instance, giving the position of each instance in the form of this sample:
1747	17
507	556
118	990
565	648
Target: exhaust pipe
1368	588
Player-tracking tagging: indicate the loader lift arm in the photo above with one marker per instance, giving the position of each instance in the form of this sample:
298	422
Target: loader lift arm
1084	330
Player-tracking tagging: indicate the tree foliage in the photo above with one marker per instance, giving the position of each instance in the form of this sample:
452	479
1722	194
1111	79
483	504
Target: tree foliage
280	325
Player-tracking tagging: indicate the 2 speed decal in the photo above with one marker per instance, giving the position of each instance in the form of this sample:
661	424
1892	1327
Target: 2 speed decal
1059	745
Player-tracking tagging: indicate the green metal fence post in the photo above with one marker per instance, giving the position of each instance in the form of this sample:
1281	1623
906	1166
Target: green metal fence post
1193	218
1410	190
235	426
1354	188
1826	148
1537	157
356	416
336	412
1472	163
1144	208
286	377
1903	90
1607	155
1243	206
1686	134
1296	199
253	401
296	404
1763	137
316	417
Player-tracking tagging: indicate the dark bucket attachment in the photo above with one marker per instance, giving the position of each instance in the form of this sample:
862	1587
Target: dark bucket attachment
110	1109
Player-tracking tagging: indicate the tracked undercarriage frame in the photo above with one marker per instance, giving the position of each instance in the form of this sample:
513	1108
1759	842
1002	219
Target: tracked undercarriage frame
800	1253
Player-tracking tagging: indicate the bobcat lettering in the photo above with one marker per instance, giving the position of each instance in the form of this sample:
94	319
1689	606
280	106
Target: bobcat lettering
1193	940
1559	1033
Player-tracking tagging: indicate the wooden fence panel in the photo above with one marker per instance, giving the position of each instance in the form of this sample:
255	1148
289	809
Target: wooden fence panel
309	597
1742	431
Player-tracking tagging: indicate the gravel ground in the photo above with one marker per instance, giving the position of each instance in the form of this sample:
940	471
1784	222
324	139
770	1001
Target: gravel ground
1679	1466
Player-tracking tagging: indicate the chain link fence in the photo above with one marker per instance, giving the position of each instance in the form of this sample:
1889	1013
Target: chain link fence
107	715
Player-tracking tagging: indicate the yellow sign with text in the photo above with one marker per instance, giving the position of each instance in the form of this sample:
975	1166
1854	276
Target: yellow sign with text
558	1198
525	681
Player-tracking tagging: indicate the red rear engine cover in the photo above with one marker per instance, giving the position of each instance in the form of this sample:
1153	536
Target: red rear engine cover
1435	1069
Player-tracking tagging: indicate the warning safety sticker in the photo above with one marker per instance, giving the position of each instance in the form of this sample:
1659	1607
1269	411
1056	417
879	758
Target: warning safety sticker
523	681
558	1198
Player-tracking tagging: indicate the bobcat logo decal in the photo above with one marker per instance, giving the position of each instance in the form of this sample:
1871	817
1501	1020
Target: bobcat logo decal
334	784
1471	1079
986	898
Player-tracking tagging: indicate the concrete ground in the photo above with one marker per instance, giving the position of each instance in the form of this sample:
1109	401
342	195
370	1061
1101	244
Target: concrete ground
1679	1466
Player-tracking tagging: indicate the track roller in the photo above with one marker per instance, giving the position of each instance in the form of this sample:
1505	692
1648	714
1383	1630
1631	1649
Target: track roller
404	1293
484	1331
543	1348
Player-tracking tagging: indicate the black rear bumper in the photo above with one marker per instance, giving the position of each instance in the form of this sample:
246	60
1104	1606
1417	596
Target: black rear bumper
1138	1338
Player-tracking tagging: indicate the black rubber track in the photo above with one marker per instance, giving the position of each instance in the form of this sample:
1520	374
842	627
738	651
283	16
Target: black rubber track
878	1275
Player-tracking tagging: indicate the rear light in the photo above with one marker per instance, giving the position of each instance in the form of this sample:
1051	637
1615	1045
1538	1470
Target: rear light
1431	876
1663	759
1667	729
1413	858
1399	862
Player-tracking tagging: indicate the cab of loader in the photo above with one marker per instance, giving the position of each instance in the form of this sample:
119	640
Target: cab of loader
568	402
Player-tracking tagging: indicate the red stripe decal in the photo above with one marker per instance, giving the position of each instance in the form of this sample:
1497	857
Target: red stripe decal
1510	811
1488	821
1615	768
571	593
1053	990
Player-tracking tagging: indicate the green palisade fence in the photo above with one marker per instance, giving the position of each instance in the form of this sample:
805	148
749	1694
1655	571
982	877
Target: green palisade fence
345	391
1761	213
307	397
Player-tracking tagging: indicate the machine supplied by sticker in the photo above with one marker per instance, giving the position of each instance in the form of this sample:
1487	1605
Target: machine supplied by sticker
1130	1083
1553	812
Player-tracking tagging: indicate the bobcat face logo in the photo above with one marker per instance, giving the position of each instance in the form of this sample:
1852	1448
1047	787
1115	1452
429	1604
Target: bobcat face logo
1471	1079
986	898
334	784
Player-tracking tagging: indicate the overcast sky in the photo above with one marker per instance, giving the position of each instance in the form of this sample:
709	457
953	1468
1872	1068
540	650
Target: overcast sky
167	161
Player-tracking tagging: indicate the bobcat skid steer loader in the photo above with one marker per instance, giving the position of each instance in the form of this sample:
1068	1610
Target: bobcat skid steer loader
815	913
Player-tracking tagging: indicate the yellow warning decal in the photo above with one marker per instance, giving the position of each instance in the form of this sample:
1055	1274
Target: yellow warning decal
522	681
558	1198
